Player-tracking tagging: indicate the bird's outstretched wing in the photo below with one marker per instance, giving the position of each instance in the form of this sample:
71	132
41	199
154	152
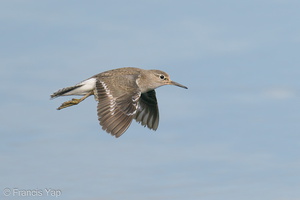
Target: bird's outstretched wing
115	113
147	113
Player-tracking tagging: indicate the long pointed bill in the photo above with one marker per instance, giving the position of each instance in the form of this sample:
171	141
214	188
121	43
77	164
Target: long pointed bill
177	84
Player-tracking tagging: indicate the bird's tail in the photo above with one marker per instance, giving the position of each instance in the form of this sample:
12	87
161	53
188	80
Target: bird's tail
64	91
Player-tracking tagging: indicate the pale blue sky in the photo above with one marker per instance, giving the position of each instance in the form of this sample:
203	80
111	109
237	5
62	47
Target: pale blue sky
234	134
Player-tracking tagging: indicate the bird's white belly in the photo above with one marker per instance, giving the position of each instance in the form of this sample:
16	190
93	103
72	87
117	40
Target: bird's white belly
86	86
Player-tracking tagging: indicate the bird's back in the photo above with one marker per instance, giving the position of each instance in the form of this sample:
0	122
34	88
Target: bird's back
120	80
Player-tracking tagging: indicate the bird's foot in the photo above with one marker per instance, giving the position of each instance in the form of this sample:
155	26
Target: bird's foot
69	103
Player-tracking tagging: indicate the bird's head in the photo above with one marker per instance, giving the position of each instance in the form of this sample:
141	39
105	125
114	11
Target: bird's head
159	78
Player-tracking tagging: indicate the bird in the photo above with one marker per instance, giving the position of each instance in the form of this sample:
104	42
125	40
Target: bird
123	94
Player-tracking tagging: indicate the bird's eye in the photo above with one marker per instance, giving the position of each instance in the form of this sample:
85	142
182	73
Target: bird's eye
162	77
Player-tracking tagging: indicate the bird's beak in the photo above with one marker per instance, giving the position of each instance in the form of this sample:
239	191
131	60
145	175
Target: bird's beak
177	84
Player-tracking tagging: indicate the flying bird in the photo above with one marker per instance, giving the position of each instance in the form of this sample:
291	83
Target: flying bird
122	94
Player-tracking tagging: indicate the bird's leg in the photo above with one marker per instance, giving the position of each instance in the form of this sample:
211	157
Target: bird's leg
74	101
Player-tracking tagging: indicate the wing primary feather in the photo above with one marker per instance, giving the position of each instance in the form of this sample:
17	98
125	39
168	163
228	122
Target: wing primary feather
115	114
